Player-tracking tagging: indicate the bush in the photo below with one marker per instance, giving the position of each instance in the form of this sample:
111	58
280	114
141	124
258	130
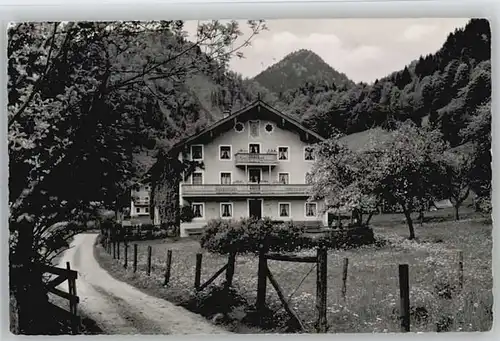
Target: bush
346	239
250	235
187	214
214	300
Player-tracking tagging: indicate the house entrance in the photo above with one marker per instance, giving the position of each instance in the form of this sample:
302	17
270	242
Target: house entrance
255	208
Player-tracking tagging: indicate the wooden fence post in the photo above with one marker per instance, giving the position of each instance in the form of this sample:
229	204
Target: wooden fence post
149	260
461	269
125	255
344	278
230	269
261	280
404	294
118	249
321	286
197	273
135	257
168	267
72	304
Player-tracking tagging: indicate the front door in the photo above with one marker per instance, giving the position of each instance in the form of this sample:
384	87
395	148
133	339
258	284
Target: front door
255	208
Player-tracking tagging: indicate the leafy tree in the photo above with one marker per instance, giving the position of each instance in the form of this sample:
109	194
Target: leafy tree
459	168
408	169
478	133
339	177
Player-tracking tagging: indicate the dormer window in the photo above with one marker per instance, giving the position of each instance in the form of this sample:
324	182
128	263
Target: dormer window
197	152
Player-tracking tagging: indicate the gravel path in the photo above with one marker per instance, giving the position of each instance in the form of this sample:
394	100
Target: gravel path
119	308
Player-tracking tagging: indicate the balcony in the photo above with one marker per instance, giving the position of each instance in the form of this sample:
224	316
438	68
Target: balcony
141	202
256	159
245	190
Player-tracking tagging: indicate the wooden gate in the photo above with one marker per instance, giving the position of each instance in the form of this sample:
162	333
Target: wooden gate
51	286
264	273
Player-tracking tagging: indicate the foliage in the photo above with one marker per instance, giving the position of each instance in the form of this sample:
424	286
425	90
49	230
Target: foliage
478	133
409	169
187	213
249	235
216	299
338	176
344	239
459	167
404	168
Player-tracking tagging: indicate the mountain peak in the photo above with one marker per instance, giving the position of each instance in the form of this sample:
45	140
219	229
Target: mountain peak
298	67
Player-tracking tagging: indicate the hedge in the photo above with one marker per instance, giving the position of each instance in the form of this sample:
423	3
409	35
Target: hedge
250	235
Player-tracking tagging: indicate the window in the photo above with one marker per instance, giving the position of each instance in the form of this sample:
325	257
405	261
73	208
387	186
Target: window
284	209
198	209
146	209
226	210
197	178
308	178
239	127
283	153
197	152
254	175
269	128
308	153
284	178
138	210
311	209
225	178
225	152
254	148
254	129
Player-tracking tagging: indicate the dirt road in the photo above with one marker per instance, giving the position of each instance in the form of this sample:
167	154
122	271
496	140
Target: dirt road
119	308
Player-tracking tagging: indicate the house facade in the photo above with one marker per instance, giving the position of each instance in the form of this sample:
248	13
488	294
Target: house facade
255	164
140	196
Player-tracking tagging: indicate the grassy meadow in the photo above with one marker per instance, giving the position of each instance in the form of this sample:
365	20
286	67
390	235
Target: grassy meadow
372	296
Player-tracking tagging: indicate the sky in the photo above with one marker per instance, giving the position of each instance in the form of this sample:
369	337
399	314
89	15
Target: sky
363	49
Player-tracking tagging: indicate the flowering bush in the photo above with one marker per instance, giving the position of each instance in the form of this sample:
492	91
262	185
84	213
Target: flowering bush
250	235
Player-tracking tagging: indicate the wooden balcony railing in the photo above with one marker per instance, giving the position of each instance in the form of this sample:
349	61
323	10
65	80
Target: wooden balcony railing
245	190
141	202
243	158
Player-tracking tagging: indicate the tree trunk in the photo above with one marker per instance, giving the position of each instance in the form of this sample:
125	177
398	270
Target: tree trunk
410	224
26	284
457	216
369	218
421	217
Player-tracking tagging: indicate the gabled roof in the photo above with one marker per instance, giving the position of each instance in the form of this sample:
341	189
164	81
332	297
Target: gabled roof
256	104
